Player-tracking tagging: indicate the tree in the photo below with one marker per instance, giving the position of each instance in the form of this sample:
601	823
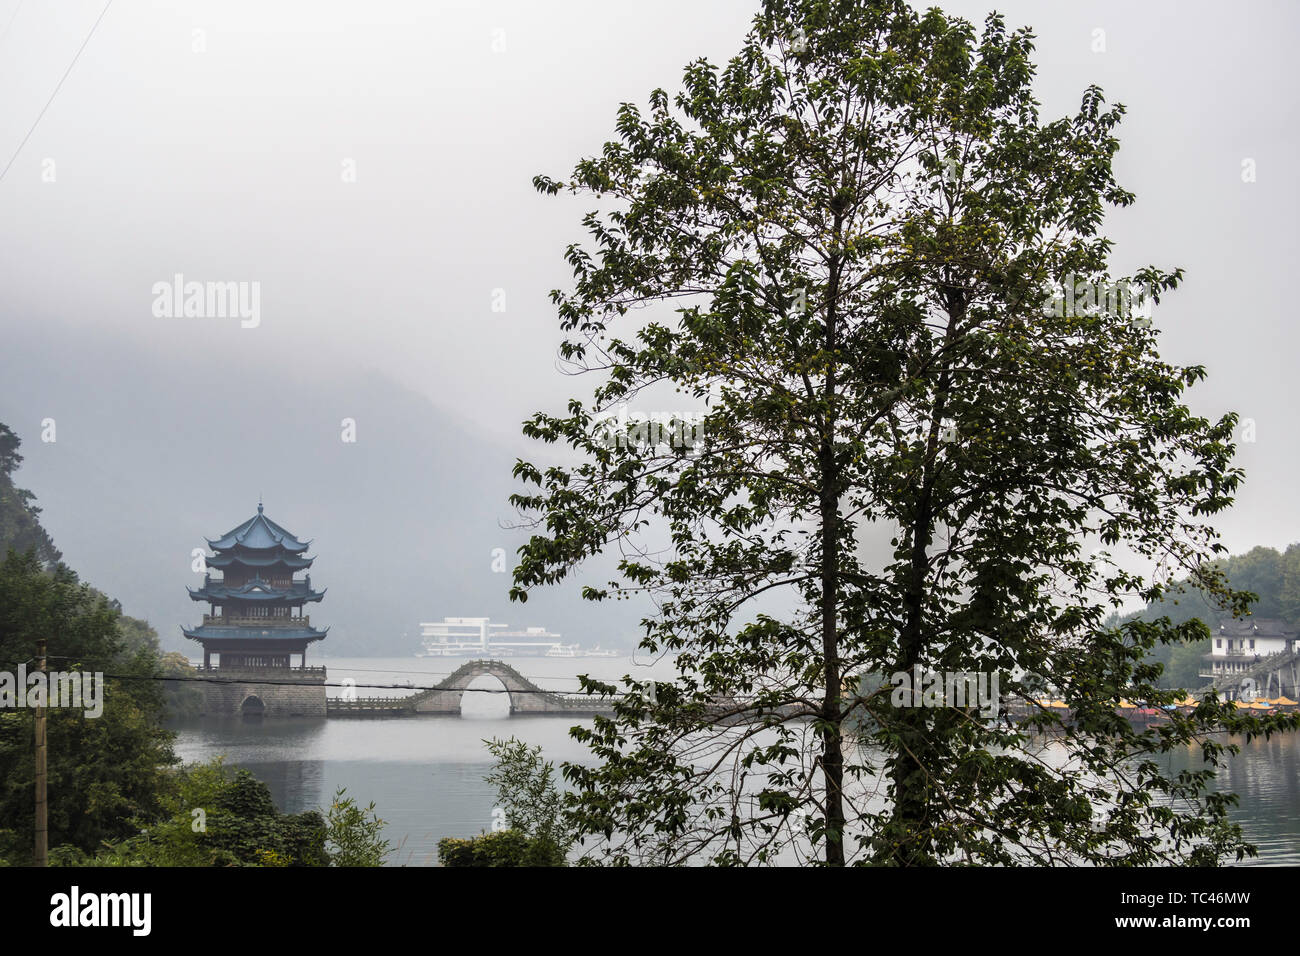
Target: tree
861	258
536	832
183	698
507	847
20	526
212	817
353	835
527	793
1288	599
104	771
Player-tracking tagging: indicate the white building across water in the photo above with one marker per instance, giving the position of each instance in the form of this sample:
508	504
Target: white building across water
479	637
1237	645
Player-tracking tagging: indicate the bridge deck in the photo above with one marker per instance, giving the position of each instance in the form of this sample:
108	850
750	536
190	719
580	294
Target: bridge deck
444	698
1282	664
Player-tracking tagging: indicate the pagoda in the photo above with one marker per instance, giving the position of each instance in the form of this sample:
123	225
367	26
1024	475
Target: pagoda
256	624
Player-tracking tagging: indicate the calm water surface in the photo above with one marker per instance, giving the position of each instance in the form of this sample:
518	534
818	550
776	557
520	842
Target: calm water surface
425	774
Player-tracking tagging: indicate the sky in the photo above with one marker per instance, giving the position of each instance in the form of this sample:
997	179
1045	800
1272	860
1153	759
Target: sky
369	166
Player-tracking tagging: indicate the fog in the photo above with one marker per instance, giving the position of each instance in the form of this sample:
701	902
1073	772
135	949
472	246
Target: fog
369	166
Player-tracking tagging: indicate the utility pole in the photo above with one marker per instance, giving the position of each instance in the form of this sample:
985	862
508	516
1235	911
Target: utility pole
42	810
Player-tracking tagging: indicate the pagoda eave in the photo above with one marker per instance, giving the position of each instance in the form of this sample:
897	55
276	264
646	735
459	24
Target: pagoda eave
257	559
217	594
275	546
212	637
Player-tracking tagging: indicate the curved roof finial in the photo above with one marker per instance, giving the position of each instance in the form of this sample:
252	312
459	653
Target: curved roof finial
259	504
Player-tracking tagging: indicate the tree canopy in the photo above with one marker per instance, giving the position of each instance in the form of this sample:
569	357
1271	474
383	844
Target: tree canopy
104	771
20	526
874	280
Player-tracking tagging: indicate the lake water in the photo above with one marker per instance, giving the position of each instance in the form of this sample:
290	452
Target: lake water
425	774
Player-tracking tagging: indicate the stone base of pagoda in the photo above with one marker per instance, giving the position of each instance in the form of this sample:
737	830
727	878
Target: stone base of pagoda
264	692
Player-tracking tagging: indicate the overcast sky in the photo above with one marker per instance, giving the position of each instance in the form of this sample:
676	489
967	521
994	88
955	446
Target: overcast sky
370	164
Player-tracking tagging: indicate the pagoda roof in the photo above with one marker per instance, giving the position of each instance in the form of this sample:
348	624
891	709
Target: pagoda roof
259	533
213	632
256	590
237	556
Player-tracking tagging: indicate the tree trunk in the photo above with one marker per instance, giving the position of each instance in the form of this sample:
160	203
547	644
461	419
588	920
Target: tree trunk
909	842
832	749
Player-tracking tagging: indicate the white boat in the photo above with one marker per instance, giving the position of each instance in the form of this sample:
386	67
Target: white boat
479	637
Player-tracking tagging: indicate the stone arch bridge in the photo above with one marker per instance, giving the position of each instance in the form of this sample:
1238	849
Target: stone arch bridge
445	697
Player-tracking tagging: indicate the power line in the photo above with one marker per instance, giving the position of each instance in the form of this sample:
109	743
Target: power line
286	683
66	72
12	17
349	670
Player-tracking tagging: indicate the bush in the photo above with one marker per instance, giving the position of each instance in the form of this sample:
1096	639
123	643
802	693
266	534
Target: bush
503	848
216	819
353	836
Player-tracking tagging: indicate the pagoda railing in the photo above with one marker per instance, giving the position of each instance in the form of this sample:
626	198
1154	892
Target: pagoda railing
222	620
234	672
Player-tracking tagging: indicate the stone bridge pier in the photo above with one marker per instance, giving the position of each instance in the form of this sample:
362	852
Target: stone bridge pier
264	692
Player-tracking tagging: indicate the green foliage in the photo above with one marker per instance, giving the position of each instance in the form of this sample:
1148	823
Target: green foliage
137	636
839	249
354	836
527	793
536	832
183	699
214	818
507	847
20	527
103	771
244	823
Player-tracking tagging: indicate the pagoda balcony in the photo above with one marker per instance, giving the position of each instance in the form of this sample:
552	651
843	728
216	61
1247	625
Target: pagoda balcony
221	620
229	671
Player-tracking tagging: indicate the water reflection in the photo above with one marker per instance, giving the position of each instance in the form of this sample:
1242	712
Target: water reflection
425	774
1265	776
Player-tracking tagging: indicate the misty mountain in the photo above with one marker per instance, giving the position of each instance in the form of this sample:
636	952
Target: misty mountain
150	455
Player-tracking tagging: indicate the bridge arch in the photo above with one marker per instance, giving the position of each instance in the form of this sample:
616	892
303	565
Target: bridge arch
525	696
486	696
252	706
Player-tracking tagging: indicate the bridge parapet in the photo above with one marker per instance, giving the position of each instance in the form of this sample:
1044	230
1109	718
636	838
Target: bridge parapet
1276	672
445	697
